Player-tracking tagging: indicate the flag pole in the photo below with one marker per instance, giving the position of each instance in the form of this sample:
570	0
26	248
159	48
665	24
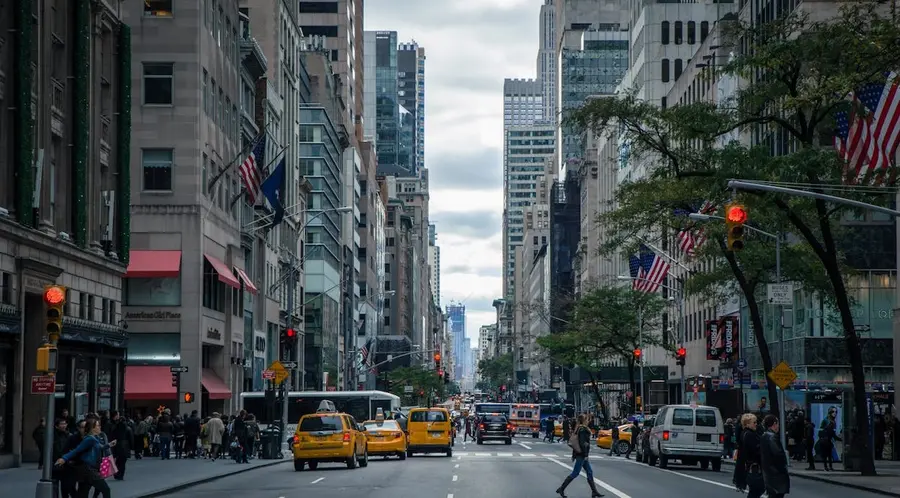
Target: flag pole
244	190
215	179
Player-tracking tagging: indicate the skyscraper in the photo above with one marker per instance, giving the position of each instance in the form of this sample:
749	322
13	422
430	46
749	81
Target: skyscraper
434	262
411	95
546	60
457	317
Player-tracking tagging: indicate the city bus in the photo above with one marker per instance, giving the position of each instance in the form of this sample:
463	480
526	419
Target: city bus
362	405
526	418
501	408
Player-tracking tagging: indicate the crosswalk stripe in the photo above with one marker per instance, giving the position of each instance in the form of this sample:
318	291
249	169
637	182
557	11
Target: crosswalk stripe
504	454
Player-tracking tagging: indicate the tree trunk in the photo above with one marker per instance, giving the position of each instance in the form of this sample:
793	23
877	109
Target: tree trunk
594	387
749	290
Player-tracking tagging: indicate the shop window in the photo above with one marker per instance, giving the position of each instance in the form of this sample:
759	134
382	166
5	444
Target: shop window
158	8
153	291
215	293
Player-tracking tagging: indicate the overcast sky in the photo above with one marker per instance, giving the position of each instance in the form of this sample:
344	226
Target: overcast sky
470	47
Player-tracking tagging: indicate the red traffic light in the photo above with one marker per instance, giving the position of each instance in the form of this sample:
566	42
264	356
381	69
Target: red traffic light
440	373
54	295
290	333
681	352
637	353
437	356
736	214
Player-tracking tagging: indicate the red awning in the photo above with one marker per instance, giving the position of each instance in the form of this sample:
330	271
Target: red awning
146	382
214	385
225	275
248	284
153	264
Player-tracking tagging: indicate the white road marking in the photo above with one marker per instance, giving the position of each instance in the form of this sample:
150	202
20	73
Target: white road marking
482	454
450	495
525	446
504	454
707	481
318	480
600	483
549	454
455	478
456	466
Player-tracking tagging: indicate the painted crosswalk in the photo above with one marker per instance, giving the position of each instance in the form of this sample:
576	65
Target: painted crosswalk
511	455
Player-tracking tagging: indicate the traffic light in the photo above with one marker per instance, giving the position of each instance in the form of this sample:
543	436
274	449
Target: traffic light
47	358
680	356
187	397
437	362
637	354
289	336
176	379
55	298
446	377
735	217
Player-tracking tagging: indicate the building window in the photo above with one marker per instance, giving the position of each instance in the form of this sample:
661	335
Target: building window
692	32
214	291
159	83
205	92
679	66
704	30
665	70
390	242
387	321
157	165
665	28
153	291
237	299
679	27
158	8
318	8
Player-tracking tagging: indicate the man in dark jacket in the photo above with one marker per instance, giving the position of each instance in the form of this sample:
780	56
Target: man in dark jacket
239	432
774	461
191	433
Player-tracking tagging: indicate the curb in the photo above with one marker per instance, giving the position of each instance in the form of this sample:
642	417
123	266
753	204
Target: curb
191	484
859	487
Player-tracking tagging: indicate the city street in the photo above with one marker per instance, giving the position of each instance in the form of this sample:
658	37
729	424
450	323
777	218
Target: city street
523	470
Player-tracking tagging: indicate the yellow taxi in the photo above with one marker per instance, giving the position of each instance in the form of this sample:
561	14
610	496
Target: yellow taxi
385	437
604	438
329	436
429	431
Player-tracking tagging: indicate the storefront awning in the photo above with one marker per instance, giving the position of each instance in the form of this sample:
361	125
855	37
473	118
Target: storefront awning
153	264
146	382
225	275
248	284
214	385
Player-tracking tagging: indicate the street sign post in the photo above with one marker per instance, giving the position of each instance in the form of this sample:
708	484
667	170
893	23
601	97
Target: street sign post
43	384
407	389
178	369
783	375
780	294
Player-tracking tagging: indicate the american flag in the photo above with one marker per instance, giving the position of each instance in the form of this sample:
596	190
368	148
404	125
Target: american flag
250	170
867	136
637	273
364	350
654	267
693	237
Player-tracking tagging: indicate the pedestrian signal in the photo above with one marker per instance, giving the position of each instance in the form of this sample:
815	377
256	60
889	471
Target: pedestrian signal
187	397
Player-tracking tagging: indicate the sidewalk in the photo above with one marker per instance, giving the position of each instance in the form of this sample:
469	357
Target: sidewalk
887	482
145	478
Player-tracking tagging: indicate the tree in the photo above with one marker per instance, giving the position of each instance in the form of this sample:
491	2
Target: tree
497	371
809	67
604	329
425	382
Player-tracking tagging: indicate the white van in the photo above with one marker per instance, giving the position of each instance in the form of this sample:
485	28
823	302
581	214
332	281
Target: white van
690	434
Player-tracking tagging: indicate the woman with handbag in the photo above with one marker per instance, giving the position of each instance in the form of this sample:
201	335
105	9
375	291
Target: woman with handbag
91	466
580	442
748	465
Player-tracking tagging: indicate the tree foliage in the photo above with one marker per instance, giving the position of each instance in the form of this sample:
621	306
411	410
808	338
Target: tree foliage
793	82
425	382
495	372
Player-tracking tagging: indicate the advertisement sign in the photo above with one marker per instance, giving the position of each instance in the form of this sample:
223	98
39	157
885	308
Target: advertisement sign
723	339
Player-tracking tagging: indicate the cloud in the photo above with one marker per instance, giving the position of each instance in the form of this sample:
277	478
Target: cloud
470	47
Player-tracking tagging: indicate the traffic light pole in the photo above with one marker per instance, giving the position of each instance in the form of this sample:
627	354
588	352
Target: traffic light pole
54	298
640	320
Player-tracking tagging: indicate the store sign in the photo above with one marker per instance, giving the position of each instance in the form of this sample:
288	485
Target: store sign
213	334
152	315
723	339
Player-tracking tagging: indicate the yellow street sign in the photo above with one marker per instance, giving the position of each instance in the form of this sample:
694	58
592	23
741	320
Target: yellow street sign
782	375
281	373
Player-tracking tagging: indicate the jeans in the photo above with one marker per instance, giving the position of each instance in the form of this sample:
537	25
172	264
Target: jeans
165	447
614	448
582	463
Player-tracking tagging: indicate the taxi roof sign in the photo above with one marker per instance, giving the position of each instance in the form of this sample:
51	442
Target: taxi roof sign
379	414
326	406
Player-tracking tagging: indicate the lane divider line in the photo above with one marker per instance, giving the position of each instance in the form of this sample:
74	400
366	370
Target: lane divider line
525	446
318	480
600	483
455	478
456	466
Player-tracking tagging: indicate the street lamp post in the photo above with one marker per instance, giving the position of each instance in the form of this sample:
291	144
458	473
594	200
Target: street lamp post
780	311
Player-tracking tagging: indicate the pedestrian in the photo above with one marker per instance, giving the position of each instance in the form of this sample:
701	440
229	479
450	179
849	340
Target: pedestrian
774	462
614	434
87	457
60	438
238	433
730	438
809	439
215	430
122	434
165	429
747	465
468	428
565	428
38	436
635	436
827	437
191	434
580	443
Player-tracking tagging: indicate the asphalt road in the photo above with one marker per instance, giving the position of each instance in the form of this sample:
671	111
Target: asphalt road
527	470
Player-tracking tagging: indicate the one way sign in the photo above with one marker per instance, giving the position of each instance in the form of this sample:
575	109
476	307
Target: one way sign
290	365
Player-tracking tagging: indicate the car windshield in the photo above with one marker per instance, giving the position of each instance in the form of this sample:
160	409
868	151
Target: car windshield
315	424
387	425
428	416
494	419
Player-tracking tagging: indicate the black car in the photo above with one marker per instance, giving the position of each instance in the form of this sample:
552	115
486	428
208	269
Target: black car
494	427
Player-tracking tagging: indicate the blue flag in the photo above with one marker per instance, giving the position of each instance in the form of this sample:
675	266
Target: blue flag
273	190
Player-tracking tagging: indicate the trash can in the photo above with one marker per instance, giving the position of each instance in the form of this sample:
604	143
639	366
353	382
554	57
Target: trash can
270	441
